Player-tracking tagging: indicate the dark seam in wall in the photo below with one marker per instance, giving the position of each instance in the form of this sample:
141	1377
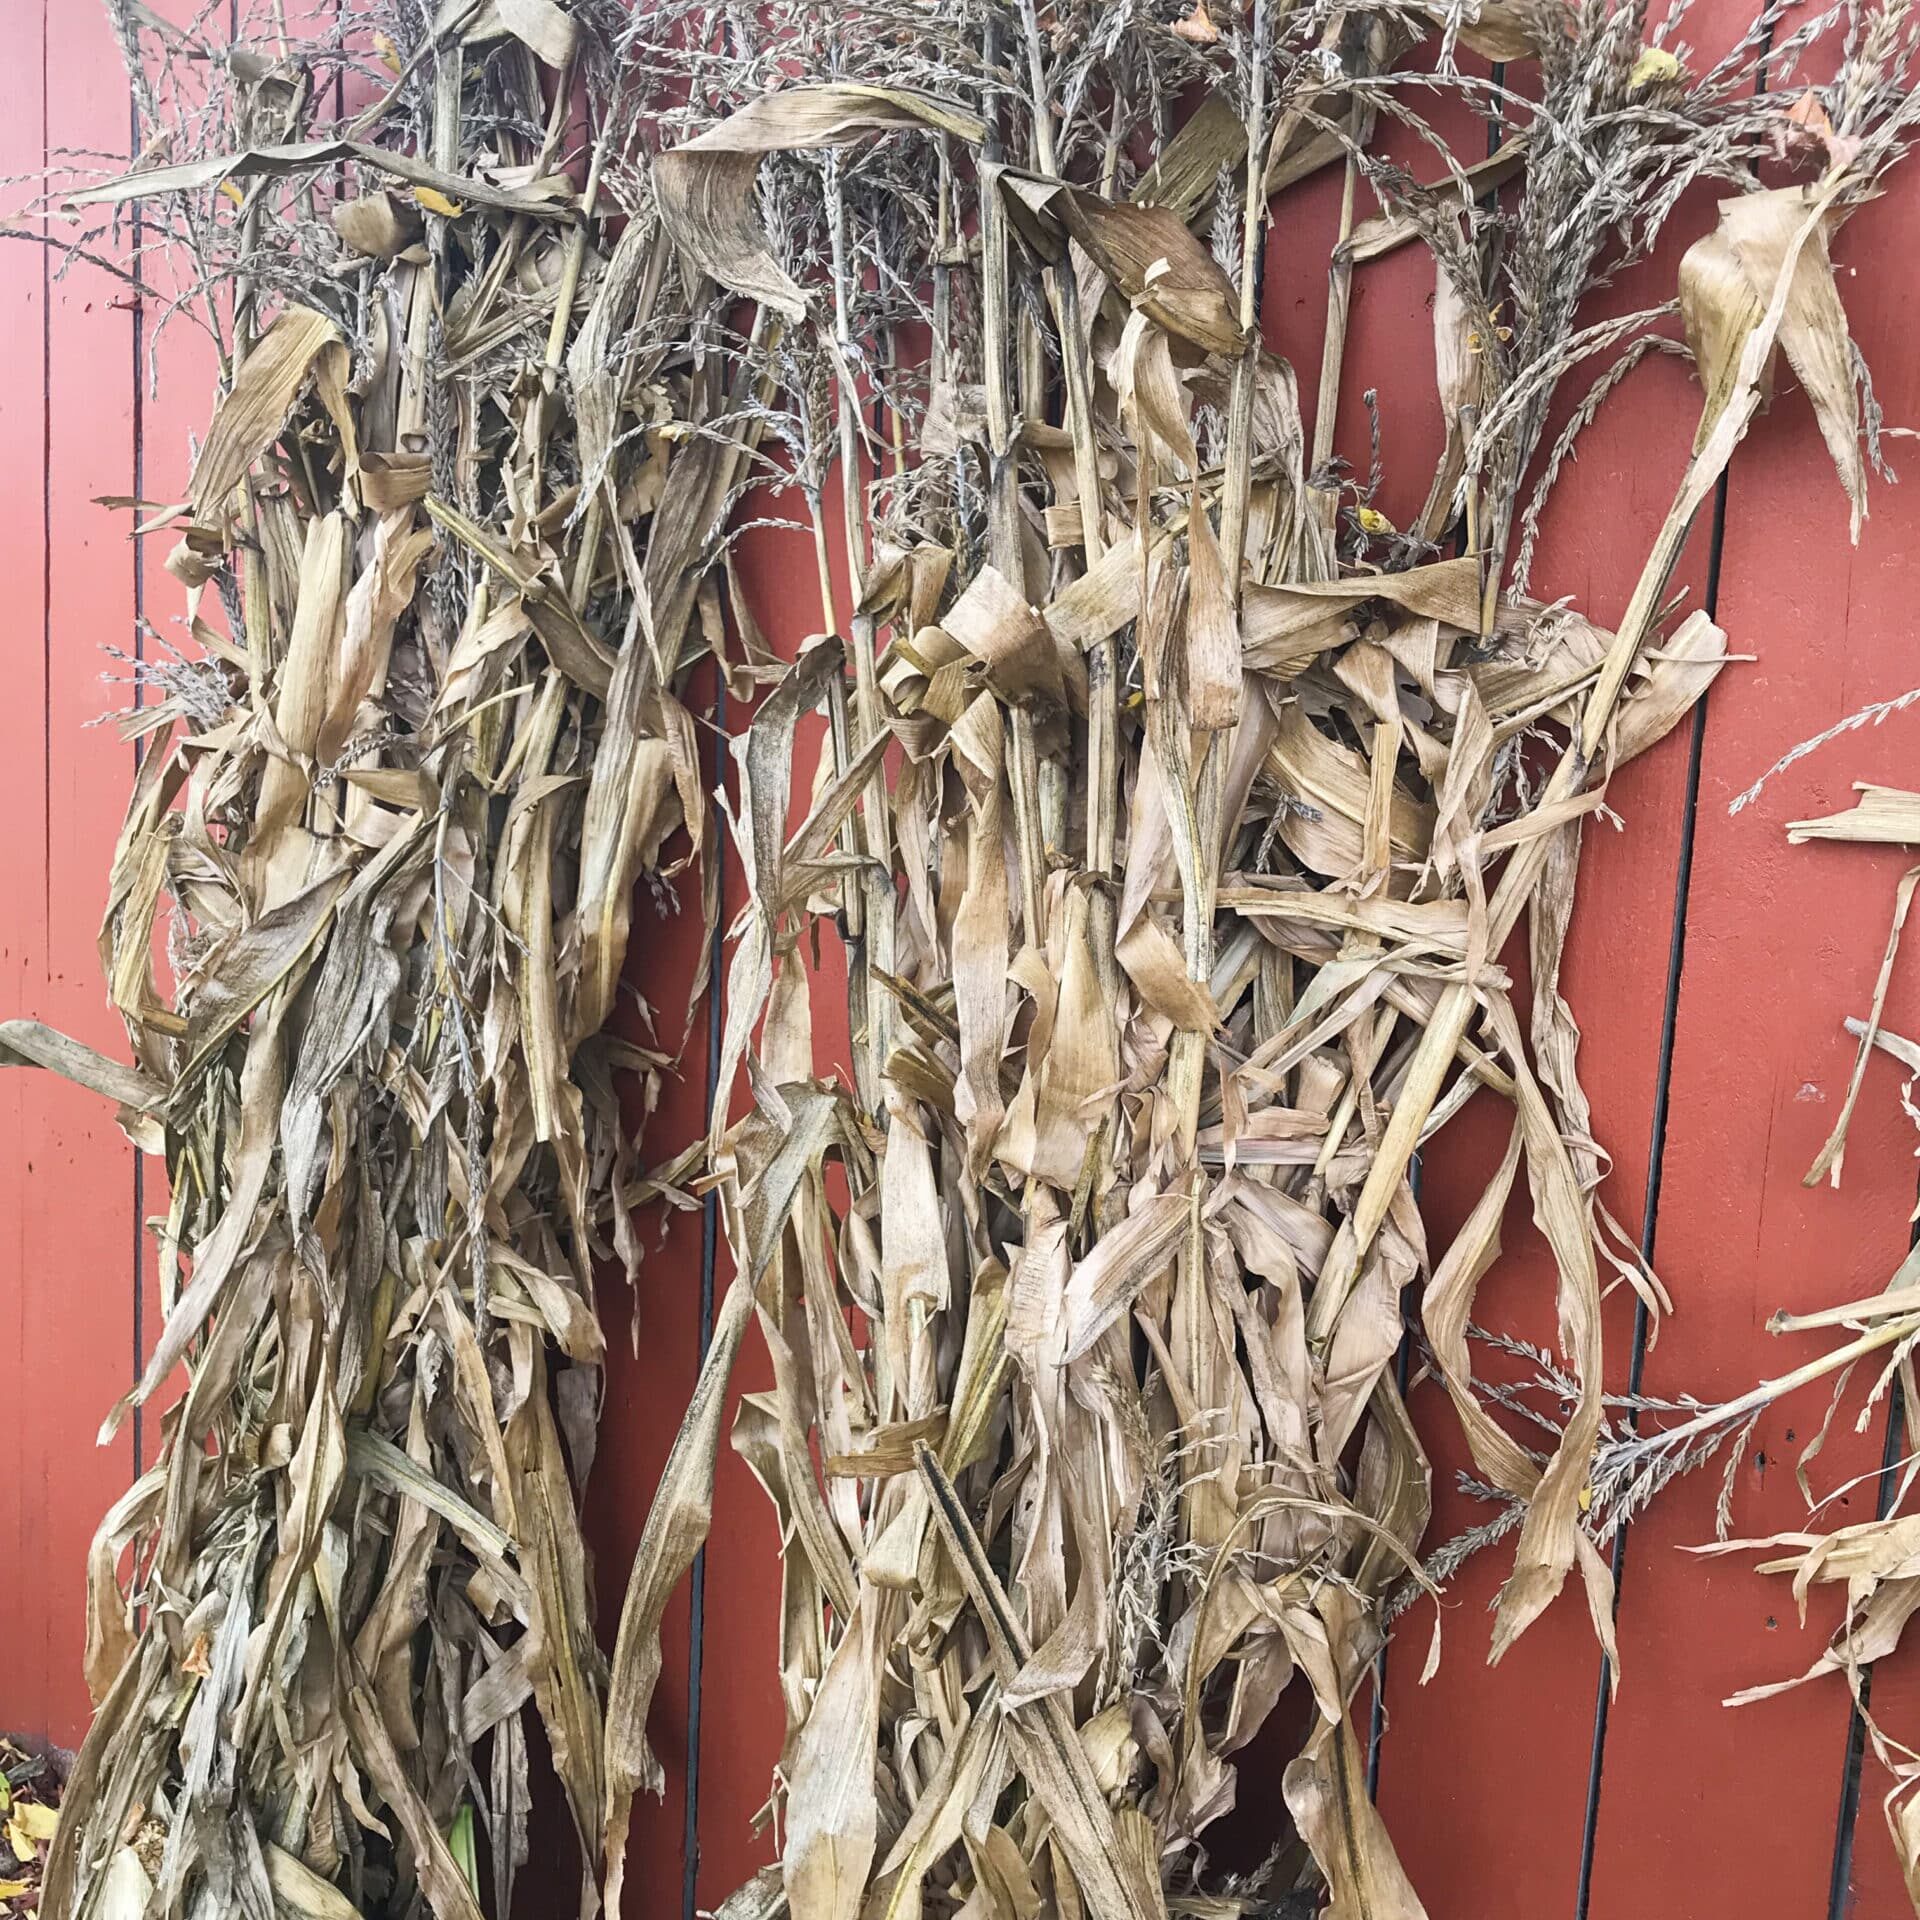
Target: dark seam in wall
709	1253
46	591
1656	1164
139	313
1839	1882
46	500
1847	1821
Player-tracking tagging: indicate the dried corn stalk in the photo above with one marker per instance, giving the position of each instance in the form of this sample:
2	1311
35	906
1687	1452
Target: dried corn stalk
447	561
1174	808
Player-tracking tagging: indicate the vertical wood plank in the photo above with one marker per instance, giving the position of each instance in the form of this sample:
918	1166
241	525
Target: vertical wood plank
92	1263
1485	1775
72	1223
25	1606
743	1717
653	1345
1703	1808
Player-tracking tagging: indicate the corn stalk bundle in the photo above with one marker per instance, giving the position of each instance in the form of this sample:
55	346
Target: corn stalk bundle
393	810
1177	820
1176	814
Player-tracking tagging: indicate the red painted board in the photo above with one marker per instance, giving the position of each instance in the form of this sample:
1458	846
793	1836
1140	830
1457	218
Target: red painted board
1703	1808
743	1717
653	1354
1488	1818
66	425
26	1606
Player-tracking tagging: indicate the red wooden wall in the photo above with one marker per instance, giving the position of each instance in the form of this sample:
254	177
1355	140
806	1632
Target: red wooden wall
1710	966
